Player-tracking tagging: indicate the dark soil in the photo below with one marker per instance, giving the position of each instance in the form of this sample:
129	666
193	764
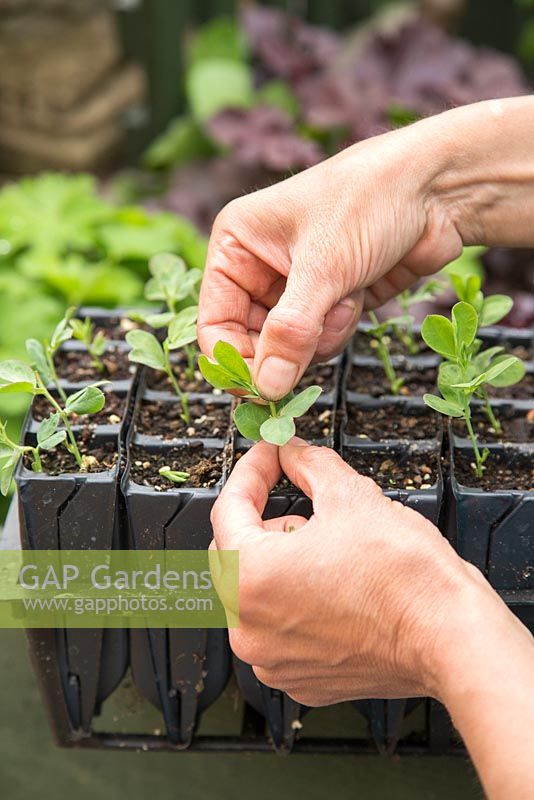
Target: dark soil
158	381
518	426
315	424
318	375
501	472
208	420
115	329
98	457
364	345
419	471
204	465
111	414
521	391
372	381
76	366
390	422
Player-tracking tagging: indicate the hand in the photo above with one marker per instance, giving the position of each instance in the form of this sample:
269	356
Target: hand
290	267
354	603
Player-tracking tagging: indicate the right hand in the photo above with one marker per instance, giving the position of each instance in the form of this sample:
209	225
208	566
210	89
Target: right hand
290	267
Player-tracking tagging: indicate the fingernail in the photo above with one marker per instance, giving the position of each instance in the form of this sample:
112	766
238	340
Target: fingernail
276	377
339	317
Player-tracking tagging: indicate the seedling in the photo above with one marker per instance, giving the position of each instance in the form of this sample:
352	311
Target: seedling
265	419
18	377
406	299
465	373
41	354
379	333
147	350
95	344
172	283
174	475
490	310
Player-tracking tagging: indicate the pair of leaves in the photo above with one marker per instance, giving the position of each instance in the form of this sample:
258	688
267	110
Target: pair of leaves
230	372
255	422
174	475
48	436
82	331
451	339
171	281
89	400
147	350
427	291
490	309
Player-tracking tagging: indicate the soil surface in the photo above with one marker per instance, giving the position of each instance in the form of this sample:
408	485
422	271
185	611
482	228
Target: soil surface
502	471
111	414
115	329
521	351
364	345
204	465
390	422
208	420
372	381
159	382
318	375
98	457
521	391
517	426
76	366
418	471
315	424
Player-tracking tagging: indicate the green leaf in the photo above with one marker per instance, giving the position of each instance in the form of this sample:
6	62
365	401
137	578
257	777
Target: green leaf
7	470
464	323
174	475
448	375
180	335
89	400
157	320
48	427
482	361
443	406
217	376
249	417
438	333
15	376
494	308
37	357
145	349
98	345
298	405
52	441
511	373
63	330
215	84
222	37
232	361
278	430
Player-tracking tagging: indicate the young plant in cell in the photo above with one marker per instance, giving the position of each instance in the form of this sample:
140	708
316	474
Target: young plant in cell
464	373
271	421
175	285
490	310
41	354
174	476
379	333
83	331
18	377
404	328
147	350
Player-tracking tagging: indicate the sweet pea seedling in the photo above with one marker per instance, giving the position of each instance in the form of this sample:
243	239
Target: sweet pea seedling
379	333
490	310
147	350
95	345
271	421
18	377
408	298
465	373
175	476
41	354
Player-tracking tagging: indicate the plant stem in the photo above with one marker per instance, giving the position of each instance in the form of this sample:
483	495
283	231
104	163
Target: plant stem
38	467
65	420
55	379
272	406
184	399
494	422
190	352
383	354
478	458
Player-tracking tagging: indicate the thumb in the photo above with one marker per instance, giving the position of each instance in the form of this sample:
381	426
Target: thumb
292	330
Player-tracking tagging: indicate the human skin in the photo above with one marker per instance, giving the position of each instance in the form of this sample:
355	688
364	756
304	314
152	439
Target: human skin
289	270
367	599
290	267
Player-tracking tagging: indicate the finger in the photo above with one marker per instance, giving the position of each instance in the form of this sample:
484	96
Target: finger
242	501
287	524
293	328
233	278
339	327
320	473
